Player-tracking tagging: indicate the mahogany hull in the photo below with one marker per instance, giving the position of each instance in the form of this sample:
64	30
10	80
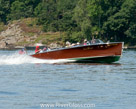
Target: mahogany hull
92	53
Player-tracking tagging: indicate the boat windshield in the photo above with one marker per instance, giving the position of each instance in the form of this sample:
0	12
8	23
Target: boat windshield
95	41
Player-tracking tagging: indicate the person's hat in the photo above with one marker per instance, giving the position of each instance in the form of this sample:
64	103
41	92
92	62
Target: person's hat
85	40
37	47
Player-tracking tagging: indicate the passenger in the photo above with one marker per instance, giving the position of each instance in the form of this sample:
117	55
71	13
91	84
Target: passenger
68	44
44	49
78	44
93	41
85	42
48	49
73	44
22	51
37	50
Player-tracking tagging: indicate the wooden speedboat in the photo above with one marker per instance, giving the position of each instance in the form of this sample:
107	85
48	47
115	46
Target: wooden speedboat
98	52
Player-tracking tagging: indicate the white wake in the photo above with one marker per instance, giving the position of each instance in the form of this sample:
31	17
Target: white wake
23	59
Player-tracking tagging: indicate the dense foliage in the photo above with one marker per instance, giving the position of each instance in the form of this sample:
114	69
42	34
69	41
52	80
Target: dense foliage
113	20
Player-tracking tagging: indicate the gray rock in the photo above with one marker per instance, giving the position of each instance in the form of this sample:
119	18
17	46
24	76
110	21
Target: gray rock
3	44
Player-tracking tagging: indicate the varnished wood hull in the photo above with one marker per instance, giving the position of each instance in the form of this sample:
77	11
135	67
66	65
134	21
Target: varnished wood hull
107	52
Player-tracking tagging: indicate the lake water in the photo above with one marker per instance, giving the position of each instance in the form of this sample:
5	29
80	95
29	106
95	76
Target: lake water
28	83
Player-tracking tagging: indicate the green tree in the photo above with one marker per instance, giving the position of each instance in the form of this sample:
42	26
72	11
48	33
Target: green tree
121	25
95	14
46	14
30	6
82	19
129	8
65	14
4	10
22	9
55	15
18	10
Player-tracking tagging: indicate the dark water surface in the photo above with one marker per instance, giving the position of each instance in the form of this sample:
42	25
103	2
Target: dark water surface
27	83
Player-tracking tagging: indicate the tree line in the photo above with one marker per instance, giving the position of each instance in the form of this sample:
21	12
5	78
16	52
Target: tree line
113	20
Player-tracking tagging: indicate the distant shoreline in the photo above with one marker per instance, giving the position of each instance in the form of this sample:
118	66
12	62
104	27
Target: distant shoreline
130	47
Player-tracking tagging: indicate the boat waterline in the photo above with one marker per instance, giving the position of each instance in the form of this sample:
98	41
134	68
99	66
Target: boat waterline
105	59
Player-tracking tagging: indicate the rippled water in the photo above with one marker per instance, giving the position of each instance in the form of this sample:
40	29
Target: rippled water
28	83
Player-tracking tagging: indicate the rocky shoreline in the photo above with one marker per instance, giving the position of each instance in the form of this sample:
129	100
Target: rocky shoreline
12	36
15	37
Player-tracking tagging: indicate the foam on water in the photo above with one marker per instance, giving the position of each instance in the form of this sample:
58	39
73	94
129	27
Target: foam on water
23	59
